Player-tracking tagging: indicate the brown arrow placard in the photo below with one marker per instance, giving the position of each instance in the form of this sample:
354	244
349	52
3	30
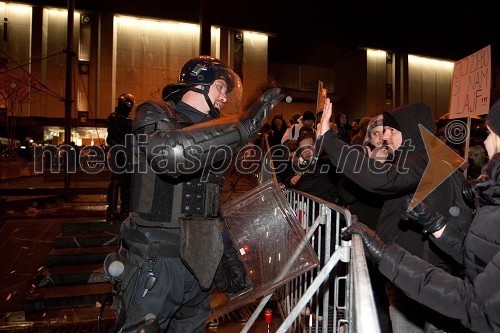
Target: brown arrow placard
443	161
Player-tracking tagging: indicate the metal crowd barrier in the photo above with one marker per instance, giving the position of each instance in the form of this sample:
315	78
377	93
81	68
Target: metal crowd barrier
337	295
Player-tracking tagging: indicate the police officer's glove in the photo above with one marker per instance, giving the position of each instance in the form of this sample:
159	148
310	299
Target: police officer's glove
252	118
372	243
422	214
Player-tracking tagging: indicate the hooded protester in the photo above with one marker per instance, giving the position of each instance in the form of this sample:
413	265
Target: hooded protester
475	300
396	181
374	132
367	205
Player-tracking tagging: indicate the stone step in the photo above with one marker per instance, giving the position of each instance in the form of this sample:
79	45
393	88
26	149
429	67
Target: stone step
87	295
78	256
71	275
81	319
92	225
80	176
86	239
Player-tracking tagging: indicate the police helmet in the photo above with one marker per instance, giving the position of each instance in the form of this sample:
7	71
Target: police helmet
126	101
204	70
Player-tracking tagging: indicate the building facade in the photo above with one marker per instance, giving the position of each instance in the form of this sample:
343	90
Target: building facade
112	53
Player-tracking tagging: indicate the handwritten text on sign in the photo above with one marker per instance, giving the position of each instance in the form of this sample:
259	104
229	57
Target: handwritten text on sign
471	85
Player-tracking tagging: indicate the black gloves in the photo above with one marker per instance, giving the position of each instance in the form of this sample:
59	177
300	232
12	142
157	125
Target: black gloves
422	214
373	244
252	119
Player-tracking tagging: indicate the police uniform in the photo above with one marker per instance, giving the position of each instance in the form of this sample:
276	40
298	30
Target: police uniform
171	243
119	125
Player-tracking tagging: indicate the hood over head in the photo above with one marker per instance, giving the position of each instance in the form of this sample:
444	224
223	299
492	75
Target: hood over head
374	122
408	118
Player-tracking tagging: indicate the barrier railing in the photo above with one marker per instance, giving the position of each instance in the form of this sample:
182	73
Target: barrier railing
337	295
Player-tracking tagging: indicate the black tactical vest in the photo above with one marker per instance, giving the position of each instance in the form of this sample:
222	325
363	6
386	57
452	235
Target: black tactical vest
158	200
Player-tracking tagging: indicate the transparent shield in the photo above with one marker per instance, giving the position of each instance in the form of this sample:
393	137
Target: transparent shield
271	244
234	98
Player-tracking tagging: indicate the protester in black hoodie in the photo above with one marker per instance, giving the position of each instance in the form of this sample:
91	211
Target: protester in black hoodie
397	180
367	205
474	301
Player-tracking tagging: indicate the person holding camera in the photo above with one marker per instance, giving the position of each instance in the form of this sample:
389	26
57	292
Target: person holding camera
475	300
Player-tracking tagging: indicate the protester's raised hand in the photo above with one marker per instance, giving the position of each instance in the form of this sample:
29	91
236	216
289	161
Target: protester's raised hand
324	124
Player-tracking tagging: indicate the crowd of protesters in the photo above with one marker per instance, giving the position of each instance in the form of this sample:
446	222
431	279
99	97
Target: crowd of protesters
432	266
400	252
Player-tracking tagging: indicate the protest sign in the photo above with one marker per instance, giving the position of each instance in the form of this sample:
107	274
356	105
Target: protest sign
320	101
471	85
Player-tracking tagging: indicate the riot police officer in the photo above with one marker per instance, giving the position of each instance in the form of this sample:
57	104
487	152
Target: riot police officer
119	125
171	243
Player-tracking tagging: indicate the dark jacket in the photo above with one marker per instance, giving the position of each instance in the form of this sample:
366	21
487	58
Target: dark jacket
343	130
399	179
317	181
360	202
475	301
119	125
276	133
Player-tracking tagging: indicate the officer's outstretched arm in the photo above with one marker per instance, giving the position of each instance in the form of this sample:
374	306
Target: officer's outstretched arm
187	150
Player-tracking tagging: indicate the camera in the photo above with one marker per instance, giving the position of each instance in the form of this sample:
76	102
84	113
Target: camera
469	192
